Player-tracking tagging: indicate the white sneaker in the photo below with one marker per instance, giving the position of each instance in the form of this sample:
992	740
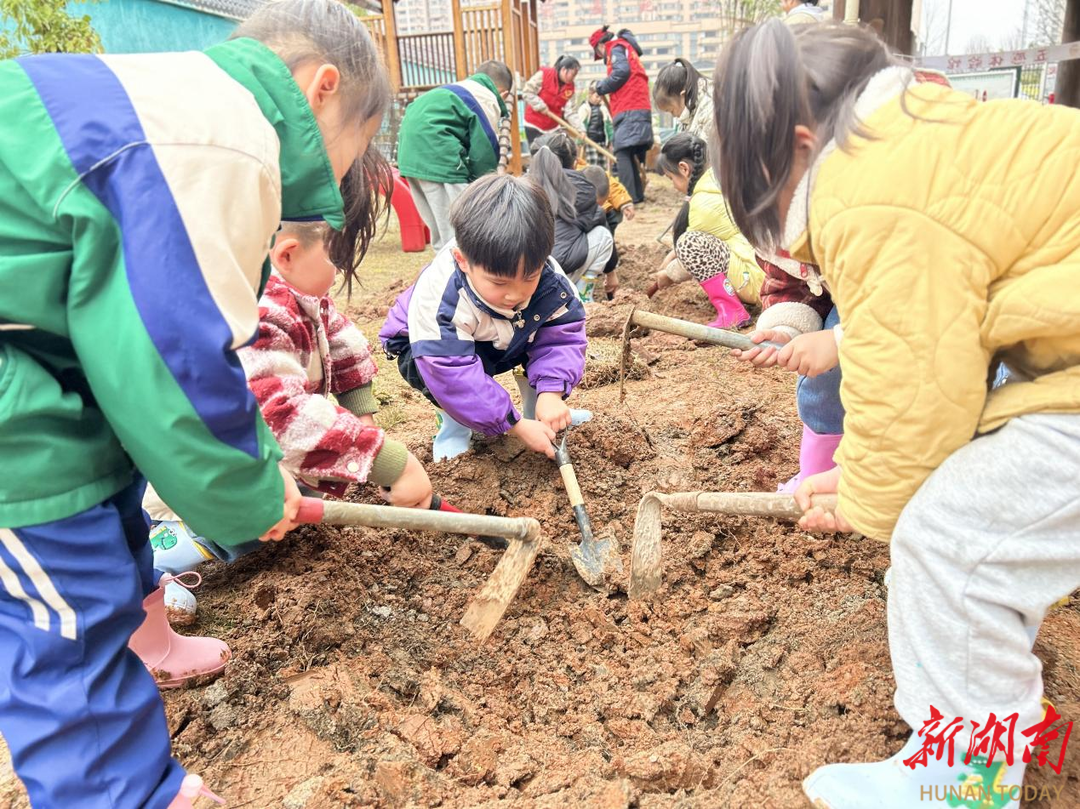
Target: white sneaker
891	784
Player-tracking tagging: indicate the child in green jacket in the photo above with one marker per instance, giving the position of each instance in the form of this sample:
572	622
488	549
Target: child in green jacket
448	138
138	196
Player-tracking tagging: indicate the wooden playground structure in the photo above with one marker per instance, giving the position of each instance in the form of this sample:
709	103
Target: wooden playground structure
505	30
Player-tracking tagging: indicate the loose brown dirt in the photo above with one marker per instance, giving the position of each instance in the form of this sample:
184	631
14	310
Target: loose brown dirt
763	656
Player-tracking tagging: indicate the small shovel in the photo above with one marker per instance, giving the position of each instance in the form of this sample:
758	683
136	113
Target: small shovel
595	559
487	606
645	565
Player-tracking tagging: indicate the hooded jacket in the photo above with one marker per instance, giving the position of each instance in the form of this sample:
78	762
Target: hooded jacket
138	197
460	341
451	134
943	259
627	84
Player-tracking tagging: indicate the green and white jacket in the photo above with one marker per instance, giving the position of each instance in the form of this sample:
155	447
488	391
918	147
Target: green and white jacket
138	198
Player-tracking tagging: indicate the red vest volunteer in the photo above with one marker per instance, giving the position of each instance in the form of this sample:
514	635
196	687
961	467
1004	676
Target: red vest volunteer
549	89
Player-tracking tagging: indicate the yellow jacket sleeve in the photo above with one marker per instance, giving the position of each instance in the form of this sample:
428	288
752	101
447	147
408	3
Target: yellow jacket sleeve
912	296
618	196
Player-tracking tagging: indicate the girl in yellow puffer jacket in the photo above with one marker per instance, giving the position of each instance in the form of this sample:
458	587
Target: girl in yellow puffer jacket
948	232
708	246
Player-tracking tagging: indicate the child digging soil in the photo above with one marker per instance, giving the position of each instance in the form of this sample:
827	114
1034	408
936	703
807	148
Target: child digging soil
118	357
305	351
490	302
935	289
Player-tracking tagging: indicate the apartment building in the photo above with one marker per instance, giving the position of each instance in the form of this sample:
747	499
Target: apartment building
422	16
664	28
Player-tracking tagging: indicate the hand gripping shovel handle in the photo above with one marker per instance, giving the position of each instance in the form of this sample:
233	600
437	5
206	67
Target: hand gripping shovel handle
697	331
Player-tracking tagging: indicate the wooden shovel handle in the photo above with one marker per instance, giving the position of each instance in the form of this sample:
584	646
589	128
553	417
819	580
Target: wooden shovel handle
577	133
753	504
329	512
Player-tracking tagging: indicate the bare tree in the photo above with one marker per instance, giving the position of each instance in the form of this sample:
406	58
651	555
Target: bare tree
1049	16
736	15
979	44
933	28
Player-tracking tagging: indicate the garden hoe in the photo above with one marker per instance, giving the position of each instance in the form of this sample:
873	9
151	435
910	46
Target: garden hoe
487	606
645	566
595	559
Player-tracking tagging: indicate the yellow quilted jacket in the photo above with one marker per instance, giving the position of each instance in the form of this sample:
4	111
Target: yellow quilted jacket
709	213
947	246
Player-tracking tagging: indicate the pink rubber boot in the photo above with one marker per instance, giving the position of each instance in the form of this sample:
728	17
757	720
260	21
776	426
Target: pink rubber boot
191	788
174	659
730	313
815	455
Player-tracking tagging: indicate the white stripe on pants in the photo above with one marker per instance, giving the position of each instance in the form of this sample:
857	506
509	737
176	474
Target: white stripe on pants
987	545
601	243
433	201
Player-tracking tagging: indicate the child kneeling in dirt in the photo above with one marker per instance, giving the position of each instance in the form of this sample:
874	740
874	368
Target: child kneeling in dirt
830	149
491	301
304	352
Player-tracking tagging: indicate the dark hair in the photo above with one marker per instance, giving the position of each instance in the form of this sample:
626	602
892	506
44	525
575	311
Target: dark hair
498	72
598	179
365	189
501	221
560	144
304	31
770	79
689	149
566	62
677	77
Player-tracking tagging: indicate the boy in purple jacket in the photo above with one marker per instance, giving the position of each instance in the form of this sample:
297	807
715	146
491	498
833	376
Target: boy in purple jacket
491	301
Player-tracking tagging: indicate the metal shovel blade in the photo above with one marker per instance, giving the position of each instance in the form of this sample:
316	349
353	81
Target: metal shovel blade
597	561
645	569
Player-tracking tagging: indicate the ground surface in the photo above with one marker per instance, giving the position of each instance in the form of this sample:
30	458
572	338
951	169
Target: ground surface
763	656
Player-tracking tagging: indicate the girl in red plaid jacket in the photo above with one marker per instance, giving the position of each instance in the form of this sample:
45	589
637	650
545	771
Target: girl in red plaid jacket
304	353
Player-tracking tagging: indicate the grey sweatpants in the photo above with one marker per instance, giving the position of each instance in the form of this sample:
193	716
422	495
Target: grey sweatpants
433	201
985	547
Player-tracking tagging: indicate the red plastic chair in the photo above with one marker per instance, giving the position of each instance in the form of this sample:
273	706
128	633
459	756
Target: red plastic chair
415	236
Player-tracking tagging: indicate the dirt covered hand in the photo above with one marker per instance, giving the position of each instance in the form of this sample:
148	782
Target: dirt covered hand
611	283
810	354
765	356
816	518
412	489
536	435
289	509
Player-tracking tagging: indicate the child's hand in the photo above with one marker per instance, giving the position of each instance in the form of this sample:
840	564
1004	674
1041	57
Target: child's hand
810	354
368	420
661	280
628	212
291	506
815	518
611	283
765	356
535	435
412	489
552	411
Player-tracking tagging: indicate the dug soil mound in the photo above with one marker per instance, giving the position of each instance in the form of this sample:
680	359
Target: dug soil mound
763	655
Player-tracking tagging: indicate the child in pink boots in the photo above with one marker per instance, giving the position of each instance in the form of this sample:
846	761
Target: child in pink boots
797	310
305	351
708	246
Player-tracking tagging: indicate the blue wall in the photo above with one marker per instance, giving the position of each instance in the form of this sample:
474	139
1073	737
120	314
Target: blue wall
140	26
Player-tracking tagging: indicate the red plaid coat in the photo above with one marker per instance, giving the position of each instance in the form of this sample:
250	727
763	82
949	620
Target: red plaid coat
306	349
793	296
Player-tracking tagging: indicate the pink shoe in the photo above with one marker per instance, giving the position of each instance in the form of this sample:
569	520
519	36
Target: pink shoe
191	788
730	313
815	455
174	659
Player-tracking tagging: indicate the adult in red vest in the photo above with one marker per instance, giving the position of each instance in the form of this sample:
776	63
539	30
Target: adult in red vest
627	87
549	89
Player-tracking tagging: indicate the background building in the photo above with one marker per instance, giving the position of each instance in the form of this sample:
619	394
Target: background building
664	29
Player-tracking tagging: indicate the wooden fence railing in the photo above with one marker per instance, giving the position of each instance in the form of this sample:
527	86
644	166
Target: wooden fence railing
427	60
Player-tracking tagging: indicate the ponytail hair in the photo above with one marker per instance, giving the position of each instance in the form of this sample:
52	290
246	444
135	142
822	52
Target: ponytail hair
565	62
325	31
689	149
560	144
677	77
770	79
546	171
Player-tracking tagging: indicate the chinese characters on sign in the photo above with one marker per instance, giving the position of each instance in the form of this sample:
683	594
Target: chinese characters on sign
991	739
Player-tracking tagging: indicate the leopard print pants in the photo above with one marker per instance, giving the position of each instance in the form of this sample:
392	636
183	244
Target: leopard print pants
702	255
